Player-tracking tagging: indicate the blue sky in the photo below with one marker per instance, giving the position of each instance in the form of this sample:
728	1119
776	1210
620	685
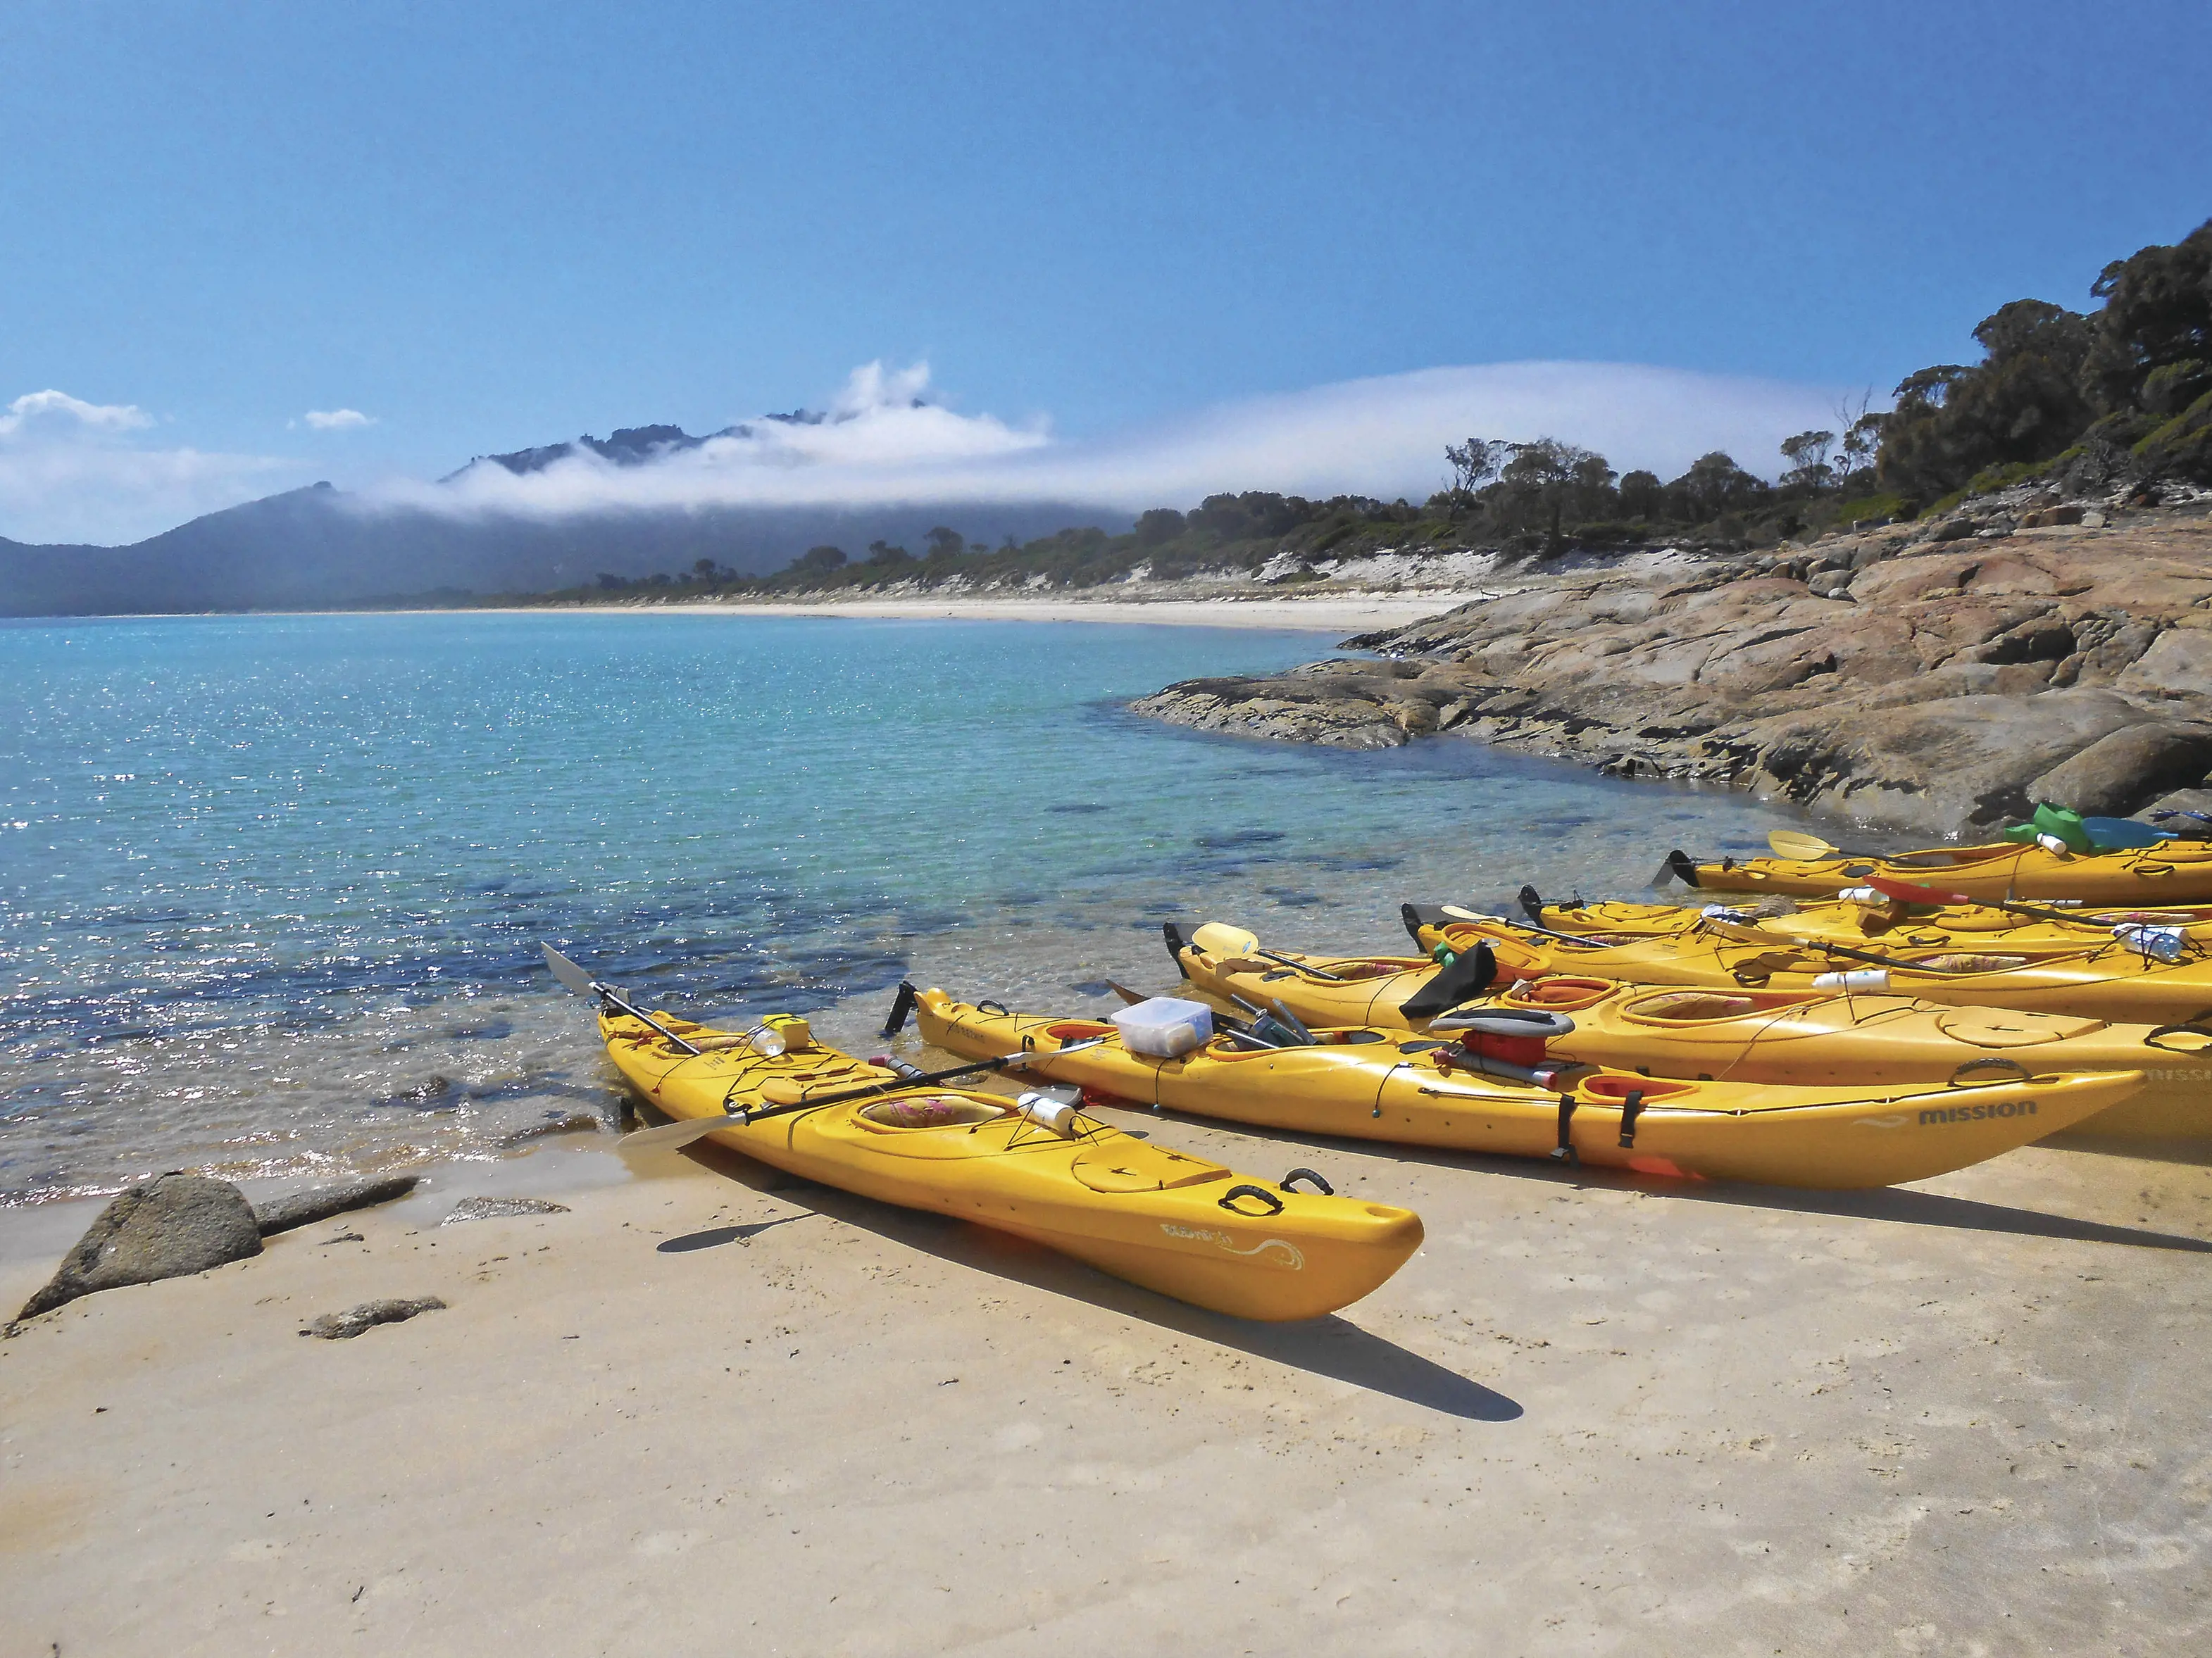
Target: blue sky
489	225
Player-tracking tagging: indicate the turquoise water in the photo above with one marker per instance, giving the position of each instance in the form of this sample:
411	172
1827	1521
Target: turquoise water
270	887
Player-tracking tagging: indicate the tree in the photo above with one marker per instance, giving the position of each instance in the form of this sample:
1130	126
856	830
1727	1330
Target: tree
2022	401
1473	464
2152	349
1713	484
1642	495
945	542
1549	481
883	553
818	560
1862	438
1159	525
1807	455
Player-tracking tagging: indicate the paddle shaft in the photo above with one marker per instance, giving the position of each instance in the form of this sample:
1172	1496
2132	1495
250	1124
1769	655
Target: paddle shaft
621	1006
1825	949
922	1079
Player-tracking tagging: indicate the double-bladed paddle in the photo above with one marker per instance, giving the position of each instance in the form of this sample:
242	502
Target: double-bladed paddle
672	1136
1460	914
1747	935
1911	892
584	984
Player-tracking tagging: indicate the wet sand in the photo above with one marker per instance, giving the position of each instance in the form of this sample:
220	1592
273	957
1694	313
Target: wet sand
715	1410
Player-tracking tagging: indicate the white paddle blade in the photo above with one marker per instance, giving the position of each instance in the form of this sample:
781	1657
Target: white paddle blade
672	1137
1055	1053
573	977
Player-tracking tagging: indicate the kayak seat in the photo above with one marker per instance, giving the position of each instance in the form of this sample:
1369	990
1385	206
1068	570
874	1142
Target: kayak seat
1688	1005
1963	962
932	1111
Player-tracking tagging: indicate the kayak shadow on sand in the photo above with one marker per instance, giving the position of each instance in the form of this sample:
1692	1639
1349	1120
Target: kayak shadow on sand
1332	1346
1905	1205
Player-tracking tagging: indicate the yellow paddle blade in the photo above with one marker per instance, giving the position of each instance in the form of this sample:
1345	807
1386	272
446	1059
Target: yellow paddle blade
1803	848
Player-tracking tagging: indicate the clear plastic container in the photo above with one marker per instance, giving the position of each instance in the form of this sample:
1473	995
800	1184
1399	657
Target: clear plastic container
1164	1027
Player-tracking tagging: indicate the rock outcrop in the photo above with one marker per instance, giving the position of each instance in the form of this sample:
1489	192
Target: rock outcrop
321	1202
166	1228
345	1327
1935	677
469	1209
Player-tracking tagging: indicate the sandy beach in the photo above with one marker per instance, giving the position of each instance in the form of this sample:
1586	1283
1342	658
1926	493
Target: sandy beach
1338	613
713	1410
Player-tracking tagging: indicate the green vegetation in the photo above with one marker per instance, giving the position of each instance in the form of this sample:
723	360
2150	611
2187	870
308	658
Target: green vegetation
2123	393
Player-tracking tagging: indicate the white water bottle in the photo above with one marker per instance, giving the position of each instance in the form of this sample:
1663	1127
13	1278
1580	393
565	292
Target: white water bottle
1862	978
1055	1111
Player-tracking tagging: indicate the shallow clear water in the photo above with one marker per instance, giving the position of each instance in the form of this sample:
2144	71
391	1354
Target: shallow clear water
270	887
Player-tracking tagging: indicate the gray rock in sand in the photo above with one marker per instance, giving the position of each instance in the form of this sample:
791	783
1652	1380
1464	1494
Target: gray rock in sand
320	1202
343	1327
170	1227
499	1208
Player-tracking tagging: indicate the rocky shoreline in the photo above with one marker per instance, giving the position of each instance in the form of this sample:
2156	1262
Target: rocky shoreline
1935	677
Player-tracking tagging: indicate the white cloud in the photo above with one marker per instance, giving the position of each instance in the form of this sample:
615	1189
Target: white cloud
55	407
1383	437
69	472
337	420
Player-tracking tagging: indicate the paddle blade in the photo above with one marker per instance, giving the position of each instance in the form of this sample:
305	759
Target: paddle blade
672	1137
573	977
1129	996
2122	834
1799	847
1911	892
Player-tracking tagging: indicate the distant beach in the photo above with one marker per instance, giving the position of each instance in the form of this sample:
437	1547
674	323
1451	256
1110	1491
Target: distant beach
1338	613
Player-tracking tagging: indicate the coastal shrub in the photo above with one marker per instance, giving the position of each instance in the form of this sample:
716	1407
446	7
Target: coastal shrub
1869	509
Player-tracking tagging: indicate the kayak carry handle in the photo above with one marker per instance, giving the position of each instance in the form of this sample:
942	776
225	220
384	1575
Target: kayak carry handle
1228	1200
1631	1107
2011	1070
2197	1026
1326	1190
1564	1150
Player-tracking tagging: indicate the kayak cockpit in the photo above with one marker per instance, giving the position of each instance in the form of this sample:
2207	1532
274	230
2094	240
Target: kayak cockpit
932	1111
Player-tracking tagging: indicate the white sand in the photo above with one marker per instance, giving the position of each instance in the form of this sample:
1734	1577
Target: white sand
1335	613
715	1412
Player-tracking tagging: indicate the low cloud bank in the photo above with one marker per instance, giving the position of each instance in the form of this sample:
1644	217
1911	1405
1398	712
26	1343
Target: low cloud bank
882	441
73	471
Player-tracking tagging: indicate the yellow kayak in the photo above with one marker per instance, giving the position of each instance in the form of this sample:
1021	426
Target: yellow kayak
2110	981
1850	921
1368	1083
2174	872
1737	1033
1182	1226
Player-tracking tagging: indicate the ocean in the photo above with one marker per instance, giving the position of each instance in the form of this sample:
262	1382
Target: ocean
271	888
